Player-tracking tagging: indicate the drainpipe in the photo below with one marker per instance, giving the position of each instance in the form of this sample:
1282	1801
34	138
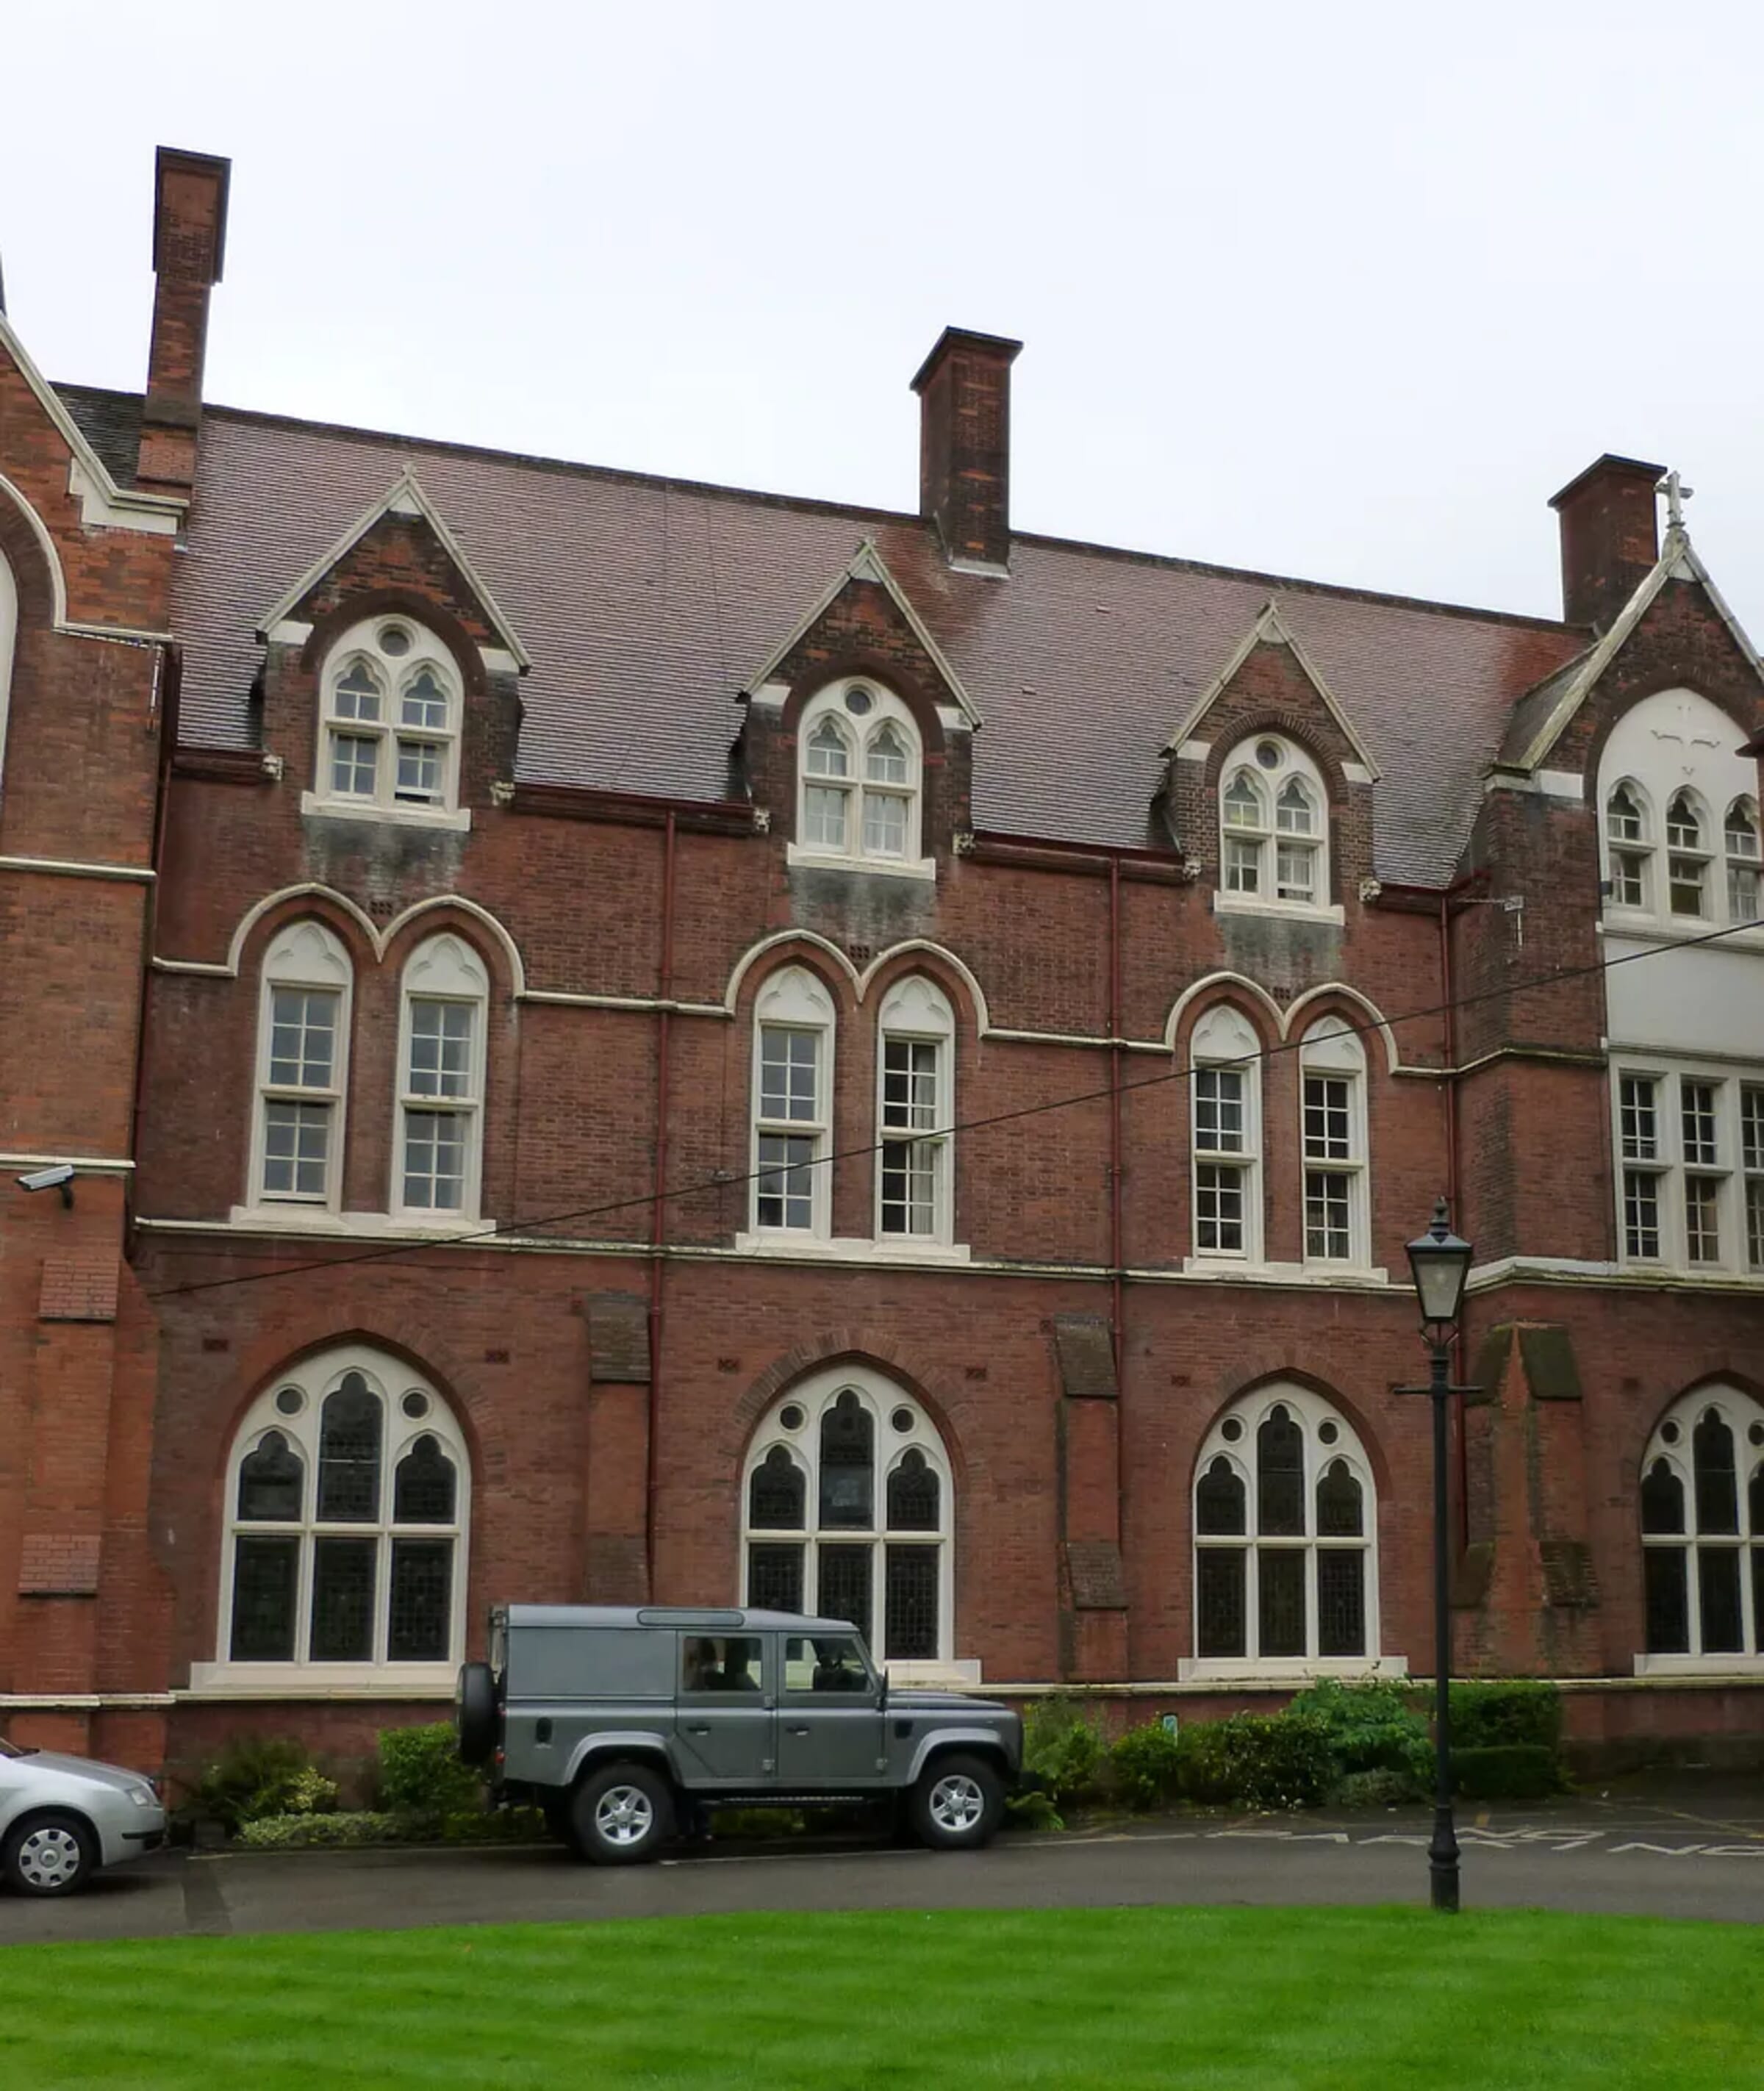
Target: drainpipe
1446	996
1115	1112
657	1209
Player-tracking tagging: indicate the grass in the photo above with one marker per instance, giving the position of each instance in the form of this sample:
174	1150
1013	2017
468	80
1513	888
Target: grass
1254	2000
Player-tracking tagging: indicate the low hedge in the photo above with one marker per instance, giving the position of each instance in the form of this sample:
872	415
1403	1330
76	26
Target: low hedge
1506	1771
1262	1761
421	1774
1492	1712
357	1826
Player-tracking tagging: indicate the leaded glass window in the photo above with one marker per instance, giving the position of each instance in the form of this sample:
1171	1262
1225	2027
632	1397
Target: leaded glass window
847	1496
1701	1502
362	1565
1284	1537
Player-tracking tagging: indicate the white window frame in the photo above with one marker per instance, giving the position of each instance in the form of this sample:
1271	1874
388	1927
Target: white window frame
365	646
794	999
883	1400
1677	742
917	1012
1700	858
444	968
9	634
1224	1040
1672	1166
1331	1051
1312	1411
1742	1415
1745	865
1256	849
304	955
880	708
315	1377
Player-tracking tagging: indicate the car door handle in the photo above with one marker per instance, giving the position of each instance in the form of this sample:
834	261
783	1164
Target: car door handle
698	1727
796	1729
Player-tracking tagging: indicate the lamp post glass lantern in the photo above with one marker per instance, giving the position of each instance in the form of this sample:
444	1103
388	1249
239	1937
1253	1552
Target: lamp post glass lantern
1440	1260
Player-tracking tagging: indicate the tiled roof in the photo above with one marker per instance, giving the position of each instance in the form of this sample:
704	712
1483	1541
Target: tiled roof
645	605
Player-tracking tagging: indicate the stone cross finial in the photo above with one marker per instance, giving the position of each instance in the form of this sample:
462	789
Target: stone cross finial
1677	493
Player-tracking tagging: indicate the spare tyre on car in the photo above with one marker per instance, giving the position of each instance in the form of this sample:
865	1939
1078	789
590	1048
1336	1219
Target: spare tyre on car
475	1712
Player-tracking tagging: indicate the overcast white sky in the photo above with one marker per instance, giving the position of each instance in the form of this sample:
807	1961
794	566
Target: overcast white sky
1342	292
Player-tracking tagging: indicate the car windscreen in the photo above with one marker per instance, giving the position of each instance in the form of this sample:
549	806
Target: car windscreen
12	1750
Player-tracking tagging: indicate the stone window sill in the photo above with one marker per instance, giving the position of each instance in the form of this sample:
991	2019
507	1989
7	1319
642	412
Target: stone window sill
1288	1669
1746	1666
298	1680
812	1248
454	820
1280	911
320	1220
798	855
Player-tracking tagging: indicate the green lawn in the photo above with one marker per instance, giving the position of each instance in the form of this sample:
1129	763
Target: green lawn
1252	1999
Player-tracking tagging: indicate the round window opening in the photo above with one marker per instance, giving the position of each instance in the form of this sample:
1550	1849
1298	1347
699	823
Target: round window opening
1231	1429
1755	1433
291	1401
1669	1432
1328	1430
1268	754
394	640
791	1417
858	700
902	1420
415	1403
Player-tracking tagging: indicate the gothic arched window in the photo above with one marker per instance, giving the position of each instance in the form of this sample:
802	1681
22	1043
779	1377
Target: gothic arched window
1703	1531
346	1503
861	784
303	1063
389	723
848	1514
1285	1539
1274	825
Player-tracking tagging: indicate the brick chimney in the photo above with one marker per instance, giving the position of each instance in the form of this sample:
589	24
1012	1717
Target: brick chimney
189	239
1610	538
964	446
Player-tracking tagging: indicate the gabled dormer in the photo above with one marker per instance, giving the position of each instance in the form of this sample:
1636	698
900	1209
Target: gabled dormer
389	674
858	740
1268	787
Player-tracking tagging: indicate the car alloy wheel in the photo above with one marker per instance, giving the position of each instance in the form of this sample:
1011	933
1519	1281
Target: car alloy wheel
956	1805
623	1817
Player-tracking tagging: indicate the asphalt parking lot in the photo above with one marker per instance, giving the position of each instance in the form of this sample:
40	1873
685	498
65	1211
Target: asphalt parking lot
1697	1857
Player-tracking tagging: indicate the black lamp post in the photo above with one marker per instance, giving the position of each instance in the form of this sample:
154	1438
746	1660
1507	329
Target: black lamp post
1441	1262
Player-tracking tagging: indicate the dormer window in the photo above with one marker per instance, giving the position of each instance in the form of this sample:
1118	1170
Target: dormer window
1274	827
859	796
389	726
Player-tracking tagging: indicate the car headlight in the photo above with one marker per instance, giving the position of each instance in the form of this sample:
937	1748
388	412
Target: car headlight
143	1796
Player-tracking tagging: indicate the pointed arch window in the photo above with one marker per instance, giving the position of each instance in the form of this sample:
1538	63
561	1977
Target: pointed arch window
345	1544
1629	841
847	1513
1741	835
390	724
1688	856
1285	1542
439	1160
1701	1500
1332	1065
861	787
915	1108
9	630
1274	823
1225	1118
303	1053
793	1029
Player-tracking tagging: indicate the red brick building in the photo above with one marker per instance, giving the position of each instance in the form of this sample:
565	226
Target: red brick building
623	1038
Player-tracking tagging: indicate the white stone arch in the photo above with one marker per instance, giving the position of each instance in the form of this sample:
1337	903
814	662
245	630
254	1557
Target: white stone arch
782	1566
1221	986
58	580
492	924
388	1578
912	946
752	956
1377	1022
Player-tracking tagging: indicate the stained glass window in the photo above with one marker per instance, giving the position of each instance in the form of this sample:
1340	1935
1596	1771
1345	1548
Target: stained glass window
349	1453
270	1481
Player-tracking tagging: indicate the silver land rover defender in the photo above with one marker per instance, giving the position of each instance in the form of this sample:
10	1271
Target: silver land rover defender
624	1723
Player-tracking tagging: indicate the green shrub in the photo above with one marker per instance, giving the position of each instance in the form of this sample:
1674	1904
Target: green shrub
1506	1771
1375	1726
1032	1810
1373	1789
1258	1761
1489	1713
288	1833
257	1776
1145	1766
421	1774
309	1792
1063	1751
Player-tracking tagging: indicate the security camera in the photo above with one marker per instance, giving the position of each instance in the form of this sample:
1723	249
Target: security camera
58	1176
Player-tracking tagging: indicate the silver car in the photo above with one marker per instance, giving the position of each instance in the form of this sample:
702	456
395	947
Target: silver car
61	1818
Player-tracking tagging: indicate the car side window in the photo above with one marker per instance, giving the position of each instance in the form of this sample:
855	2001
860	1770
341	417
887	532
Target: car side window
720	1663
817	1664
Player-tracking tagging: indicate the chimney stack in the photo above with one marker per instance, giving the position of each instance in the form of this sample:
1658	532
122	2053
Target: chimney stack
1610	538
964	446
189	240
